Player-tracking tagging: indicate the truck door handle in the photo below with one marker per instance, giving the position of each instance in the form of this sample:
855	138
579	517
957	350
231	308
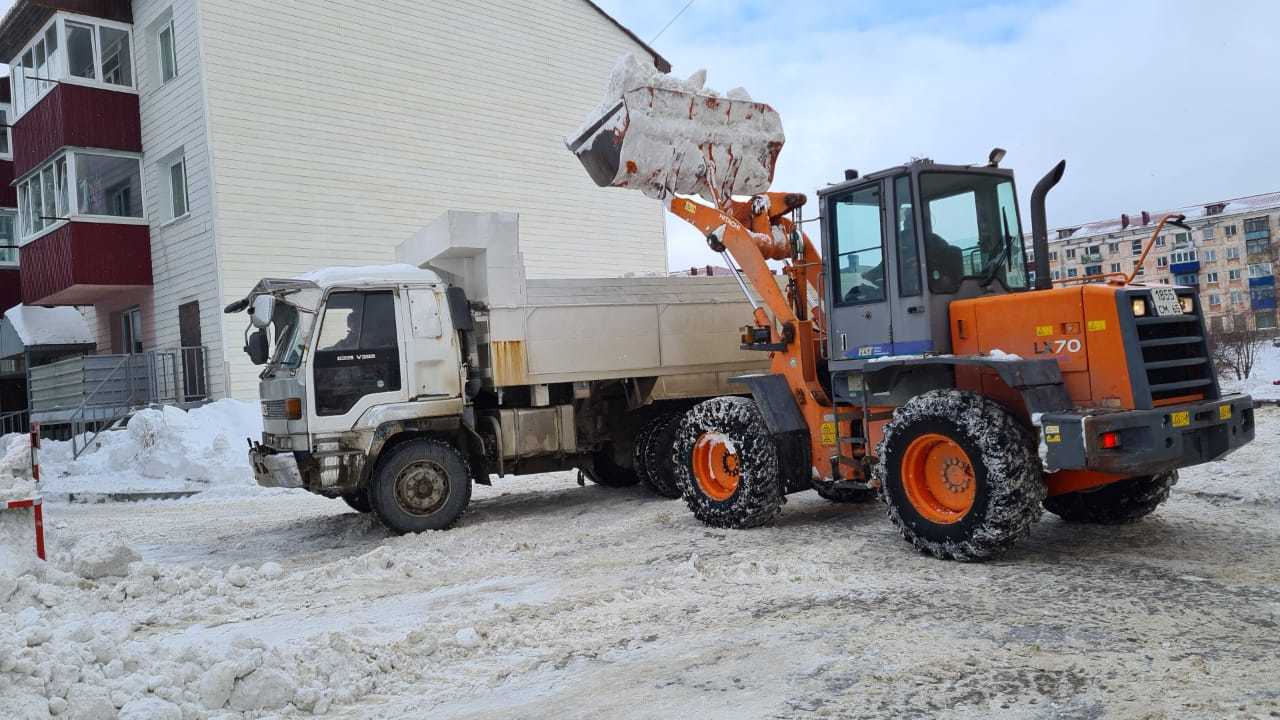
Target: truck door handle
915	309
844	343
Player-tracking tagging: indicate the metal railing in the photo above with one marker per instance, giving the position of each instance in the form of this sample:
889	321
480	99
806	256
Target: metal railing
18	421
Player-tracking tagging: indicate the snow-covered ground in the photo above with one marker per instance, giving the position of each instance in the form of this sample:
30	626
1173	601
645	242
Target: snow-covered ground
554	600
1264	382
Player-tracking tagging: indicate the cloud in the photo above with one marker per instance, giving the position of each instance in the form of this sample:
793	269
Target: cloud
1154	104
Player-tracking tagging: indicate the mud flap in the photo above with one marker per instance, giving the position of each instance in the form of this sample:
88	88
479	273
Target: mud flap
786	425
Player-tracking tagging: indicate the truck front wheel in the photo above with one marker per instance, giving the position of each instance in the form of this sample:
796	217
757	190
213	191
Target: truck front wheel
421	485
726	464
358	500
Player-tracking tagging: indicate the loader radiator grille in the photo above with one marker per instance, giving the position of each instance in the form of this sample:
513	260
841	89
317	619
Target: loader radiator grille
1175	356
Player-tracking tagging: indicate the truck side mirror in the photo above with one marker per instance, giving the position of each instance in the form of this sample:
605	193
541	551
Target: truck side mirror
257	347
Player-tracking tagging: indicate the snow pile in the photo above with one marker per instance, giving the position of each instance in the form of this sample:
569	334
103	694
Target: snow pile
667	129
49	326
1261	382
165	449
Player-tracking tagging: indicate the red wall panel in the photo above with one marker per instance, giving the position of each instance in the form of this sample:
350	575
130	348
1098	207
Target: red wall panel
10	288
76	115
84	254
8	193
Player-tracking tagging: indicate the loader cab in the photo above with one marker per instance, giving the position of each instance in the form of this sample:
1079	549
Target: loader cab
902	244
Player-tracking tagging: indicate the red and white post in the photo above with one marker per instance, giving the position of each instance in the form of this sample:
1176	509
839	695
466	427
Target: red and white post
35	452
36	505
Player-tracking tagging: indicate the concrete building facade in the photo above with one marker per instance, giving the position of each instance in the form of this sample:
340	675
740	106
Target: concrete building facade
1228	255
167	154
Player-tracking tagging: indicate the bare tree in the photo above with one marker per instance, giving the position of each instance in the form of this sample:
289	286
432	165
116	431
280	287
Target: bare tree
1236	349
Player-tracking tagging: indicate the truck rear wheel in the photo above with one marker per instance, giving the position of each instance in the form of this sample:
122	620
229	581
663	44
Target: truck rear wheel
421	485
1116	503
608	472
726	464
959	475
652	455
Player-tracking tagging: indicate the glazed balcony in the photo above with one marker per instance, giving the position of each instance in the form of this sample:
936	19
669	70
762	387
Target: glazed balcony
85	263
76	116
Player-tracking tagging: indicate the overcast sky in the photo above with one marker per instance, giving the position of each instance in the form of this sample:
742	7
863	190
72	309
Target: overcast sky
1154	104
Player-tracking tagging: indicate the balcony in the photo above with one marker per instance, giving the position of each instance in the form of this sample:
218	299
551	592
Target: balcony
1262	300
1185	268
1262	281
84	263
76	116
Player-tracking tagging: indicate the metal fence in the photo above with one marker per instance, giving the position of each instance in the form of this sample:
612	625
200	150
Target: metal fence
15	422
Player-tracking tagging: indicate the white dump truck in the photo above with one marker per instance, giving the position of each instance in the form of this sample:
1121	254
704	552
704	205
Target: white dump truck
396	387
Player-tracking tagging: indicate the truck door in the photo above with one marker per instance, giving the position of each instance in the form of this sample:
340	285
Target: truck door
357	359
856	238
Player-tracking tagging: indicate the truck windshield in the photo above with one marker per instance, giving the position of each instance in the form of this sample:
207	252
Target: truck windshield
971	230
288	335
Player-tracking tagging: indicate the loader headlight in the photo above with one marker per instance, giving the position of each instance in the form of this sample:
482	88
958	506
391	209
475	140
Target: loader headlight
1139	306
1188	304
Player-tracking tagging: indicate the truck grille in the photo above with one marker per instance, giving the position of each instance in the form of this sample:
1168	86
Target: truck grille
1175	355
273	408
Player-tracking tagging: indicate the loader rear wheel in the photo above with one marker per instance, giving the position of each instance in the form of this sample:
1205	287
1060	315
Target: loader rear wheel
726	464
421	485
358	500
1119	502
959	475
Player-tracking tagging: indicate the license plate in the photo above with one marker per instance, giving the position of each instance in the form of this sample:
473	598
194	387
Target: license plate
1165	301
1181	419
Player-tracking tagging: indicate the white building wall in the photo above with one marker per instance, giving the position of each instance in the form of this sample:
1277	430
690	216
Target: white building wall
339	129
182	250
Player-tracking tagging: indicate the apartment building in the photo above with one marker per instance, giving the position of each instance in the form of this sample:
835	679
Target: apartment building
1228	255
166	154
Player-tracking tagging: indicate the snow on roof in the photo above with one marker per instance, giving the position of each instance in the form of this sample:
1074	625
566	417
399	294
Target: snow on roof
1252	203
49	326
369	275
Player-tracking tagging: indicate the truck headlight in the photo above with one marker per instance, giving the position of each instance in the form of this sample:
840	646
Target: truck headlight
293	409
1139	306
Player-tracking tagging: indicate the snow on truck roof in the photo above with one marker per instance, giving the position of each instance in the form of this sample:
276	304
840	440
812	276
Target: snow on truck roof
369	275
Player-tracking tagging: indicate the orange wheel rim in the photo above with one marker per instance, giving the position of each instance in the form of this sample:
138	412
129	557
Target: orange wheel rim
715	466
938	478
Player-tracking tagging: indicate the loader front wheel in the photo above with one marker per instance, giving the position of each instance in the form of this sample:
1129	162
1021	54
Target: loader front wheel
959	475
726	464
1119	502
421	485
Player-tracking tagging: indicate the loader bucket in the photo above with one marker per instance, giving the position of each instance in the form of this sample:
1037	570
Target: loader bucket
662	136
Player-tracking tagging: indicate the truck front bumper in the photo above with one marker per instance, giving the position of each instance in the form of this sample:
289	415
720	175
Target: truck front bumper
1146	442
275	468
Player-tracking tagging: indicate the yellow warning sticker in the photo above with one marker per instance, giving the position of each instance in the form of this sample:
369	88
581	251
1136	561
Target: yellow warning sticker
1044	330
1180	419
1097	325
1052	434
1224	412
828	433
689	207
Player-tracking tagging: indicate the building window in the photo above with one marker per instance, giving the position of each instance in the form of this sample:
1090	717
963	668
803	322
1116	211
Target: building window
1180	239
1160	241
1162	261
1211	278
1208	232
1237	297
1188	279
1071	253
1090	270
1215	299
1214	209
1257	228
1053	255
1260	270
178	201
1228	230
1136	247
81	50
1183	256
1057	274
1115	267
1071	272
8	237
1259	245
79	183
1264	320
1234	275
1210	255
131	331
1113	247
168	54
6	147
1233	253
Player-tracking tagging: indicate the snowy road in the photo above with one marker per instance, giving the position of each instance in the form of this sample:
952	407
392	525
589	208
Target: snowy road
553	600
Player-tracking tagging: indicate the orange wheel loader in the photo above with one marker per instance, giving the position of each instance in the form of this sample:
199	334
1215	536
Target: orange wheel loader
921	356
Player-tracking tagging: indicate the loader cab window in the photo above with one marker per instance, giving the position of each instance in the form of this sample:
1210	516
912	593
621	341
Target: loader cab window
971	231
357	352
858	240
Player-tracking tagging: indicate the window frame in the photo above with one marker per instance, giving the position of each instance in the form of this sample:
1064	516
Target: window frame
14	241
1013	264
7	121
69	189
179	160
172	51
57	66
838	289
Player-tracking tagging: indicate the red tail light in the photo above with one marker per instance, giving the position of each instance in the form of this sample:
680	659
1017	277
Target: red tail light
1110	440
